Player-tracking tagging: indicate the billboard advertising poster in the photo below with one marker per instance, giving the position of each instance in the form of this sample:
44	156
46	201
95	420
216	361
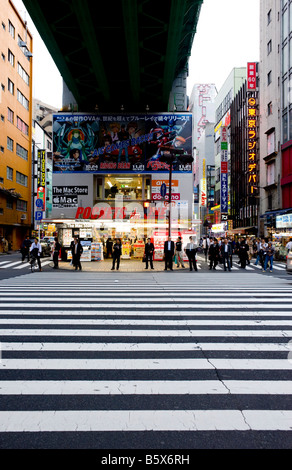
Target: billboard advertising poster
90	143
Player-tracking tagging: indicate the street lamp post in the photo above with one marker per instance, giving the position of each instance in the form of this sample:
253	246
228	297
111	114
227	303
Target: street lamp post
170	156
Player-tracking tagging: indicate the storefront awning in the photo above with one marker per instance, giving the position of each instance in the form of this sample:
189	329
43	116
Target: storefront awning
275	213
243	230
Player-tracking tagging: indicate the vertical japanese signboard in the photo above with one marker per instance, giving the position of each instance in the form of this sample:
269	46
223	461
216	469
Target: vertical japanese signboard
224	171
252	131
252	76
42	177
204	186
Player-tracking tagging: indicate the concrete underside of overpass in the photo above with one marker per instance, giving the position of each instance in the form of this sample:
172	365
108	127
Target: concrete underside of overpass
120	52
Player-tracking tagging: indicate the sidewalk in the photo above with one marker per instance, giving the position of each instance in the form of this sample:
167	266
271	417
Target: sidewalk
125	266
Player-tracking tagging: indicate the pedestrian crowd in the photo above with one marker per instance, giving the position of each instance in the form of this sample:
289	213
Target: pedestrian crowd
216	251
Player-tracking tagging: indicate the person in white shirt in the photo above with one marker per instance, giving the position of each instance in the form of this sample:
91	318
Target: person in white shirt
191	251
36	251
289	245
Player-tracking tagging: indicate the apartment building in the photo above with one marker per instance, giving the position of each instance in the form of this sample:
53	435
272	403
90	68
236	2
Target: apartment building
16	46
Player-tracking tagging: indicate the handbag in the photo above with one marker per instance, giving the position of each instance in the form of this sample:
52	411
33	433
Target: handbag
144	259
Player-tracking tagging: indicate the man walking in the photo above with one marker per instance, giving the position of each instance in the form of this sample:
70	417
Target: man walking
77	251
36	251
117	253
25	249
56	253
206	245
168	253
149	251
191	251
214	254
179	253
226	253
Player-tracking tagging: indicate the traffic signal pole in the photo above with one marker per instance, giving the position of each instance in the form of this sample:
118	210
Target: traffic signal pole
170	197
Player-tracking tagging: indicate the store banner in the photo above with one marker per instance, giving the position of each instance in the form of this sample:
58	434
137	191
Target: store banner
68	196
88	143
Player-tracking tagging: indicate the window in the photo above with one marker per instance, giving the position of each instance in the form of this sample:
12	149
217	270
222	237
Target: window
2	149
269	17
285	59
22	100
3	56
269	78
23	73
21	152
10	116
270	108
21	206
10	86
2	118
269	47
10	144
129	187
285	127
11	57
285	30
2	87
270	174
9	203
11	29
3	26
22	126
271	143
21	179
9	173
1	180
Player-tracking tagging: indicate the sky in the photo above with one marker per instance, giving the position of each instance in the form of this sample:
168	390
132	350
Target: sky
227	36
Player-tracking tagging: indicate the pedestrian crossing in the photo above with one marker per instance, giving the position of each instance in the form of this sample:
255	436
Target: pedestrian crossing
19	265
279	266
110	360
201	265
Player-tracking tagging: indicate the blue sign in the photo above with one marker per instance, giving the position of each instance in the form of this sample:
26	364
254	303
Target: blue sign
39	203
163	190
224	193
38	216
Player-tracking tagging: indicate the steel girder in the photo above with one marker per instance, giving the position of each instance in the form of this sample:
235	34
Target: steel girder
124	52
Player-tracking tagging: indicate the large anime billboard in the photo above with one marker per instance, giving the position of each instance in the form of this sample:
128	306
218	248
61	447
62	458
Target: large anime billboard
90	143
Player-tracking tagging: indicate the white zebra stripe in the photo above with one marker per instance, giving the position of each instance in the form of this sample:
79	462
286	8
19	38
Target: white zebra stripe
153	387
158	420
145	364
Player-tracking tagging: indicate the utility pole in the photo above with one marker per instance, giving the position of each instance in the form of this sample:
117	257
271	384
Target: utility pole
170	156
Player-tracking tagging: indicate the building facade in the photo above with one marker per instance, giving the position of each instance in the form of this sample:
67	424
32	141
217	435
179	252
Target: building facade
202	107
286	115
223	103
16	45
110	180
270	110
205	178
245	167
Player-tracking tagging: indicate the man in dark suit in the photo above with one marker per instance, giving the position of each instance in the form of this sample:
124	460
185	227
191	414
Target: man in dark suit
226	253
149	251
77	251
168	253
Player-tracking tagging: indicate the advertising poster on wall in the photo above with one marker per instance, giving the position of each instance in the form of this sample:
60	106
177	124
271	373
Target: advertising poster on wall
128	143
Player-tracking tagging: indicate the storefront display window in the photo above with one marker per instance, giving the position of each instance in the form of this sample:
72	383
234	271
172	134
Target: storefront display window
130	188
